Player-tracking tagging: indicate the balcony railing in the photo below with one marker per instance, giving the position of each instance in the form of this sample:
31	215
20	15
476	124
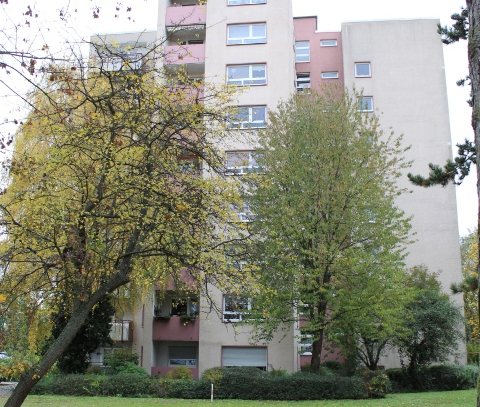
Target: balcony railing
186	16
185	54
175	329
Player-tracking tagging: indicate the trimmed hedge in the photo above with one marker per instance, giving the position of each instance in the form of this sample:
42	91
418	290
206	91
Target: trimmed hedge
235	383
435	378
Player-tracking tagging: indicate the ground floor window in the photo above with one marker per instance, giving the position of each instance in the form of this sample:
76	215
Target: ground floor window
182	356
254	356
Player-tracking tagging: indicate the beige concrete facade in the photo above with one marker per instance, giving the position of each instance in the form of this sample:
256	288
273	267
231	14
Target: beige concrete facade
409	93
407	85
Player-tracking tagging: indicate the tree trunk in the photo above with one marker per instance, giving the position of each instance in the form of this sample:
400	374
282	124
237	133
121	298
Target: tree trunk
473	7
317	346
29	379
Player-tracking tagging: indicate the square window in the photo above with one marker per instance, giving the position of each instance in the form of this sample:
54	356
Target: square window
362	70
365	104
247	34
330	75
248	117
244	75
235	308
255	356
303	81
302	51
182	356
328	43
242	162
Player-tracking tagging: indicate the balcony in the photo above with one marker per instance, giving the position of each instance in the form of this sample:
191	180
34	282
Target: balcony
185	54
180	17
122	331
175	329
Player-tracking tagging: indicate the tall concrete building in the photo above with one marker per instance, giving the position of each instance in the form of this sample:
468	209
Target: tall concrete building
399	67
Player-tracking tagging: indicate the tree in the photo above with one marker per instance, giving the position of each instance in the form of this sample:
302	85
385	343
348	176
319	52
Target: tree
105	189
95	332
466	26
330	239
435	325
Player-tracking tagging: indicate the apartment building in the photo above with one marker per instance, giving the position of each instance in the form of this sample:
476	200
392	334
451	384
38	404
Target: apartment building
399	67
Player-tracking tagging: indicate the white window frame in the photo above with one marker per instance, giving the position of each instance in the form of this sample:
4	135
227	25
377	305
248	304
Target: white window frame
250	123
249	164
251	38
328	43
362	104
302	47
305	345
330	75
369	75
242	2
250	80
234	315
303	81
123	60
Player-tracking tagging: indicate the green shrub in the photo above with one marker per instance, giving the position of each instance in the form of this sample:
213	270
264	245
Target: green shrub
212	375
277	373
435	378
120	358
94	369
376	383
131	368
180	373
473	351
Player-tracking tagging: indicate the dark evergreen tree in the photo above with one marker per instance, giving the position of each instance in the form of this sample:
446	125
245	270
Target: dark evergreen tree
94	333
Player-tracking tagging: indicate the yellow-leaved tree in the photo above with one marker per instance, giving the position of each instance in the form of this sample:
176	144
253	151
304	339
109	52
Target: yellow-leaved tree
116	177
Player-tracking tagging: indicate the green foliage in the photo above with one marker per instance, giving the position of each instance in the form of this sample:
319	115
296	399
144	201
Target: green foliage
435	378
473	353
329	234
212	375
435	325
94	333
131	368
376	383
94	369
126	385
119	359
458	31
180	373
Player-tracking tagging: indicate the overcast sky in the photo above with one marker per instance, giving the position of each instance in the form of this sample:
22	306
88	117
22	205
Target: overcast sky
330	15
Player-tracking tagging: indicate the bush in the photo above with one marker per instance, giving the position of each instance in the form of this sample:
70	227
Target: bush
180	373
473	350
94	369
435	378
131	368
376	383
212	375
120	358
125	385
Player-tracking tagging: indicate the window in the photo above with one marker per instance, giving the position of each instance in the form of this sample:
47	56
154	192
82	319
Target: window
242	162
247	34
328	43
182	356
124	61
248	117
305	345
302	51
184	306
238	2
365	104
255	356
243	214
303	81
242	75
330	75
362	70
235	308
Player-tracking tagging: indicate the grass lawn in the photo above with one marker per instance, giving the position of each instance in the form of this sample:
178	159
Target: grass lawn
437	399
